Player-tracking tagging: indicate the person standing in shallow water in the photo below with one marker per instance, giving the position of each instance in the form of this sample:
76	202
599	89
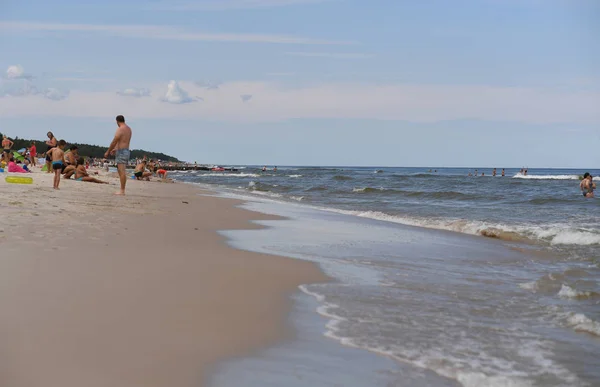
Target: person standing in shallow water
120	148
587	186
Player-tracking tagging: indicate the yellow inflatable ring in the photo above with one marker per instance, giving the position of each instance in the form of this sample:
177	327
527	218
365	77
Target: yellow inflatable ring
19	179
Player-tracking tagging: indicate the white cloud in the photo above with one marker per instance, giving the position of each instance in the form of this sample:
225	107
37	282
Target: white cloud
333	55
277	102
209	85
222	5
133	92
54	94
246	97
19	84
16	72
176	95
160	32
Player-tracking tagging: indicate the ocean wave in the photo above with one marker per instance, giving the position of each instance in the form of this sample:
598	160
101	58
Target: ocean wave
546	177
582	323
421	194
570	293
558	234
228	174
438	361
317	188
342	177
294	176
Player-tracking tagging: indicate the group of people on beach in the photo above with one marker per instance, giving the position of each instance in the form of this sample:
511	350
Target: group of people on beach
69	163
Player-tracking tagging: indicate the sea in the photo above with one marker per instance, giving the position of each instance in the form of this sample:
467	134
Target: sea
439	278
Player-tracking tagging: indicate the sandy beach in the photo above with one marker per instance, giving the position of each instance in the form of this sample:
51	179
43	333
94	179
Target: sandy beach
98	290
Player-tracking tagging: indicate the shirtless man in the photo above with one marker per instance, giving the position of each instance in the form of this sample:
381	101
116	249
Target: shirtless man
70	162
120	148
6	145
57	157
82	175
587	186
140	172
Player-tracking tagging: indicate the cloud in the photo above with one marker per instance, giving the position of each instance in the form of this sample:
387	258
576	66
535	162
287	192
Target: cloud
280	102
162	33
208	85
133	92
333	55
16	72
223	5
54	94
246	97
18	84
176	95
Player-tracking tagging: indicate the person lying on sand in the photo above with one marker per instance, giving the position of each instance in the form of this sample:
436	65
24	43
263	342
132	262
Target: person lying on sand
140	171
81	173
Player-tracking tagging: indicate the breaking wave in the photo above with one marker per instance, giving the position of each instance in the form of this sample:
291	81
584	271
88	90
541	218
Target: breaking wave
558	234
546	177
582	323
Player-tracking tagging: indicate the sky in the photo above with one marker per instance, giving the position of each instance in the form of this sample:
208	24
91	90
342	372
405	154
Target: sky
474	83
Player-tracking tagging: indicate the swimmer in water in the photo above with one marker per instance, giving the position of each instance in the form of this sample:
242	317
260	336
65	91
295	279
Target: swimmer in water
502	172
587	185
494	172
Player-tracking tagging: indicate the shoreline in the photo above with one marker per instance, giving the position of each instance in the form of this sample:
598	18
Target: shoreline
100	299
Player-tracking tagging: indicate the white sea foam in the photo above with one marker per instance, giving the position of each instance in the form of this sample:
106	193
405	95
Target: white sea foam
498	372
294	176
570	293
533	286
558	234
582	323
297	198
267	194
546	177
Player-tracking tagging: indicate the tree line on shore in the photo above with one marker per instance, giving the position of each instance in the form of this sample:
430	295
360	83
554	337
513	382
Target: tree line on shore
88	150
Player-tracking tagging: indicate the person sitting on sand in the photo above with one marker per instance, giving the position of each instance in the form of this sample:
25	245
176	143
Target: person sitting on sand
71	157
587	185
14	168
81	173
140	171
57	158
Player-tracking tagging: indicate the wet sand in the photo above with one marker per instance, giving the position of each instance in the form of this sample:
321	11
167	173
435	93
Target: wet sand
98	290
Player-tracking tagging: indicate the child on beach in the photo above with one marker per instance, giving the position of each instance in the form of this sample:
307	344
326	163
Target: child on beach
33	154
140	171
57	157
81	173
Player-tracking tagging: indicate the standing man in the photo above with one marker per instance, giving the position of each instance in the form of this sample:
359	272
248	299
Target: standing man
120	148
6	145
